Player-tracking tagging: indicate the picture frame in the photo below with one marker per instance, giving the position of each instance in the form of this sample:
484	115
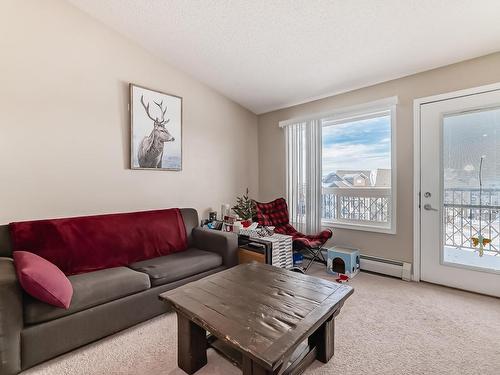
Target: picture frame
155	129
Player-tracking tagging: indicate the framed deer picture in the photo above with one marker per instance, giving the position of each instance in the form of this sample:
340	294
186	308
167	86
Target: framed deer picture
156	129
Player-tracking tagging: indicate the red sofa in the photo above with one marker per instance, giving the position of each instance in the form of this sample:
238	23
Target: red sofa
117	264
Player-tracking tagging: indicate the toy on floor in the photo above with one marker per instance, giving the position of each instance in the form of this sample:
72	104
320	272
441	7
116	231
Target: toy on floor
342	278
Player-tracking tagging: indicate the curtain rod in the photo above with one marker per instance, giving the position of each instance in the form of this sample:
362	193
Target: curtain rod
353	110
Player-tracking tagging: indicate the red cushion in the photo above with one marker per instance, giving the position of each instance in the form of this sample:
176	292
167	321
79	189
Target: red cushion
90	243
273	213
42	280
313	240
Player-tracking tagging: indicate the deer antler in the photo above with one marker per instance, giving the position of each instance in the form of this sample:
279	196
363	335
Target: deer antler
163	111
146	107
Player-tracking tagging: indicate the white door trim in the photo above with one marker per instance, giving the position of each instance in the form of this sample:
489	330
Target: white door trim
417	103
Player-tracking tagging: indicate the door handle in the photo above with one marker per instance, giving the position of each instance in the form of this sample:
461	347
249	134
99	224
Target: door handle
428	207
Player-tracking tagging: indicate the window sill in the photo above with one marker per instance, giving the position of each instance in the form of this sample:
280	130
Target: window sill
360	227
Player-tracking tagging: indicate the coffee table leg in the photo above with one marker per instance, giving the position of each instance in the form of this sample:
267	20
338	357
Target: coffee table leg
249	367
192	345
323	339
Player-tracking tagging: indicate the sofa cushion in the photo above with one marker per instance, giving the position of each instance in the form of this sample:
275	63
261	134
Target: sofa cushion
42	279
89	289
170	268
90	243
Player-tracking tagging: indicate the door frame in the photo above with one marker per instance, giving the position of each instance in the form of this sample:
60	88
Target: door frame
417	104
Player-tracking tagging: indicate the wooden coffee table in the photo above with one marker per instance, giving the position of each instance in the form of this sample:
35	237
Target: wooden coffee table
265	319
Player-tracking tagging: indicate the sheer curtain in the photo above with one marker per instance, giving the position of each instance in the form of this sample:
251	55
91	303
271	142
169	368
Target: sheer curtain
303	174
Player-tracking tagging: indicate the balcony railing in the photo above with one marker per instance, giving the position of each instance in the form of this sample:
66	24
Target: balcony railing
372	206
462	212
369	205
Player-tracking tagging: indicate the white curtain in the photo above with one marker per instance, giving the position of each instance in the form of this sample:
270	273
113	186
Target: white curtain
303	174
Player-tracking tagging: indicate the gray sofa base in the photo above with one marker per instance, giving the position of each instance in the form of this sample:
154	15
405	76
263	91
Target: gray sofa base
11	318
44	341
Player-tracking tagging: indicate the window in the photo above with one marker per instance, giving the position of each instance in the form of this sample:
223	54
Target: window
356	171
340	168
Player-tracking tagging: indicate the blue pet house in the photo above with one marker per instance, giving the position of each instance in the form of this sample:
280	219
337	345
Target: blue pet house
342	260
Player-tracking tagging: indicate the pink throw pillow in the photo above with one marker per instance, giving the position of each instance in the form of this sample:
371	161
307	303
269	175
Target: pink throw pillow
42	279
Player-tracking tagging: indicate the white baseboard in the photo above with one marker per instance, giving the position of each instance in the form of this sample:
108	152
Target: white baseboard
383	266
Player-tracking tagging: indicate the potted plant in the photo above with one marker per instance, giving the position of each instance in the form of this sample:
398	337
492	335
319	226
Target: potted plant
245	209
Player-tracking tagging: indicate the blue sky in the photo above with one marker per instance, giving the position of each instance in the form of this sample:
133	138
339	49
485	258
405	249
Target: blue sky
362	145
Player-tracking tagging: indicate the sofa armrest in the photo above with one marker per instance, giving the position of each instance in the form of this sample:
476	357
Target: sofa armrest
222	243
11	318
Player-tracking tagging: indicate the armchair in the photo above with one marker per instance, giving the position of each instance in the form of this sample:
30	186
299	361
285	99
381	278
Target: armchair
275	214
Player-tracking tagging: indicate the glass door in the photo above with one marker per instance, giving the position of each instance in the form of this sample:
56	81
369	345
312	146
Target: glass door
460	192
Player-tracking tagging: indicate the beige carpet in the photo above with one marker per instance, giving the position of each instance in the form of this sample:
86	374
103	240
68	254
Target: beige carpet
387	327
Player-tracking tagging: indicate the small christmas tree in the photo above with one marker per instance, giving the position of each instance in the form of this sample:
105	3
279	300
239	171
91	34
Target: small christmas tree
245	207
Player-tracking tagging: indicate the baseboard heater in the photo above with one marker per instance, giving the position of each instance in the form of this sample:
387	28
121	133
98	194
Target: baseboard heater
389	267
396	268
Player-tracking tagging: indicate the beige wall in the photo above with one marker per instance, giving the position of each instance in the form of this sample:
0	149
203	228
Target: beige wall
64	125
467	74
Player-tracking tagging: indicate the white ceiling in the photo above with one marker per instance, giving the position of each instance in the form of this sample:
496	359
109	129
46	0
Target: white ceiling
270	54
